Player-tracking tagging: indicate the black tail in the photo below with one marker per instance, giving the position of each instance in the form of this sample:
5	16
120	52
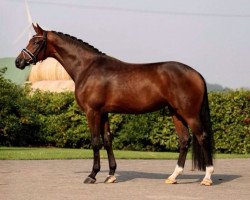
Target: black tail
197	153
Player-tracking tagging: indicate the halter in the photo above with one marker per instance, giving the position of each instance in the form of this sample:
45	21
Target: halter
33	56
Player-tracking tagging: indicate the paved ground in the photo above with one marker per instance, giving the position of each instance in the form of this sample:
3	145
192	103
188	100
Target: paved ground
137	179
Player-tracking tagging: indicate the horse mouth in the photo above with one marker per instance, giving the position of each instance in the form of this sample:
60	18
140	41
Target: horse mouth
21	67
21	63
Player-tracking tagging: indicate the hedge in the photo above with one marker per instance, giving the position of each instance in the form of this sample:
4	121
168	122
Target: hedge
54	119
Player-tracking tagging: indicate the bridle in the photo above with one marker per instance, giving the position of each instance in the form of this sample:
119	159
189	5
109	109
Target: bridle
33	56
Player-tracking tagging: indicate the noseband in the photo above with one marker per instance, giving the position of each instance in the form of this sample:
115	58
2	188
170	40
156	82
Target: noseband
33	56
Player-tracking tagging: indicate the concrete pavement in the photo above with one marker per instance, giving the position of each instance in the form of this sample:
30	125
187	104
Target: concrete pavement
137	179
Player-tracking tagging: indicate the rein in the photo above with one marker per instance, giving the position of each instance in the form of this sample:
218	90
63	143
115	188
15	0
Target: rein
33	56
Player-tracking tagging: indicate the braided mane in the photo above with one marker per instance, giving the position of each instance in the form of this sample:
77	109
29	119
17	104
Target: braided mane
79	42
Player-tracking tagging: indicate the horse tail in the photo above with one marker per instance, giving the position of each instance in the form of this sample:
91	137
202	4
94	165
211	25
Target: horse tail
197	152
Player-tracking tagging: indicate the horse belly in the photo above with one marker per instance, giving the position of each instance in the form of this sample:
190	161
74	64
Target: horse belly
136	102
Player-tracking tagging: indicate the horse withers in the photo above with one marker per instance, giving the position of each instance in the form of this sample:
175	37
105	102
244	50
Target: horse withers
105	85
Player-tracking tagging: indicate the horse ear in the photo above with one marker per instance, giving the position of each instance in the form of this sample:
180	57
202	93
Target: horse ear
37	28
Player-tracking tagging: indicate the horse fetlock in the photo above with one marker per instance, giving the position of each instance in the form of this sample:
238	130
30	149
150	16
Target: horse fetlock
113	168
96	169
209	172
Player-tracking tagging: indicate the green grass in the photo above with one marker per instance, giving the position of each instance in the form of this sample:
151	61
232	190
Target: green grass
23	153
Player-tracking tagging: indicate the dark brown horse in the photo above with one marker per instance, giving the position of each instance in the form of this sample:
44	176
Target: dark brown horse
106	85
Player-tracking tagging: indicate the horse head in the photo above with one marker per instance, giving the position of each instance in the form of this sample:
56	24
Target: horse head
35	50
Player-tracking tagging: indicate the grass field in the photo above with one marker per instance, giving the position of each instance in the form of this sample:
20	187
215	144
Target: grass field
21	153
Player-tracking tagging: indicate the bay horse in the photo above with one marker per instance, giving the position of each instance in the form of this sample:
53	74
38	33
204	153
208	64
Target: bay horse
105	85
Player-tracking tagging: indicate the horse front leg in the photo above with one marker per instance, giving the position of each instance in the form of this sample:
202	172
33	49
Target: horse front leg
107	142
94	123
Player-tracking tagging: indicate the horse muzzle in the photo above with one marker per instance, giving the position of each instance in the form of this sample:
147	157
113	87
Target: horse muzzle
21	63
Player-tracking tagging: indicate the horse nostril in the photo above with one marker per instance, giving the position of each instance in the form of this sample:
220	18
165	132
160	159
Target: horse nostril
17	62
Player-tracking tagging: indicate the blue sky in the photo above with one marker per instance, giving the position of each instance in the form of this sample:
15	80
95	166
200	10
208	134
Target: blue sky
211	36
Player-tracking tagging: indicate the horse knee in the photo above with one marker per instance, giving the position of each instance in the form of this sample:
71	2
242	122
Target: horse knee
95	143
106	144
107	141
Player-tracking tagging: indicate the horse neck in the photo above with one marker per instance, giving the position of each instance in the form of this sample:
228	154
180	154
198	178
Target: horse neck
75	59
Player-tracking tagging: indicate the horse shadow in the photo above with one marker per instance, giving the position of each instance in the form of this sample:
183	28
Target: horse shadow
125	176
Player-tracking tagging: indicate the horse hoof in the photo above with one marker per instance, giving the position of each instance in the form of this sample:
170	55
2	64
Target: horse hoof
206	182
170	181
110	179
89	180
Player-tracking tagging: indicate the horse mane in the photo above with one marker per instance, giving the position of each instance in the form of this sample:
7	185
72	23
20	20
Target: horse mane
79	42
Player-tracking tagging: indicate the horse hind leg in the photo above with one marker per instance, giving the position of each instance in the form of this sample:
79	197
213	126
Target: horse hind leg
182	132
202	152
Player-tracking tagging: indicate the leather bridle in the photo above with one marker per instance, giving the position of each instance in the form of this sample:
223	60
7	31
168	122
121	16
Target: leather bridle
33	56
